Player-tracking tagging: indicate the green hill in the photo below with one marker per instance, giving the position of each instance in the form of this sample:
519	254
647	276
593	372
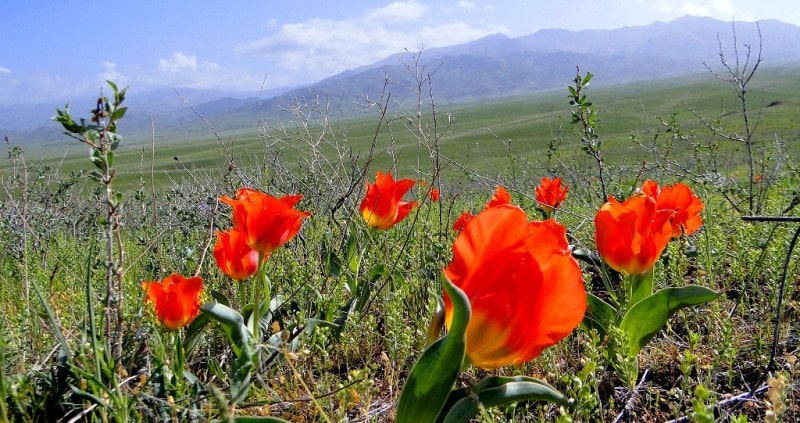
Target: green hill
483	135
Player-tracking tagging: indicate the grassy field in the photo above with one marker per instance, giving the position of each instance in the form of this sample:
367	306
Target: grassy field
484	135
352	305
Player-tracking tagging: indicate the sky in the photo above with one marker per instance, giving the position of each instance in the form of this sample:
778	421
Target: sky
52	51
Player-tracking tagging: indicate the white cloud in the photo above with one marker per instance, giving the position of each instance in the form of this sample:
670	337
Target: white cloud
318	48
177	62
718	9
707	8
183	70
399	11
187	71
664	6
689	7
455	33
4	69
464	4
111	73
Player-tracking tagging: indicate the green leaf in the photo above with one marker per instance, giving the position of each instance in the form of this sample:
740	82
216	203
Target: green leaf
191	377
332	262
351	257
433	375
233	325
248	315
453	398
490	382
194	332
600	315
341	320
572	91
640	287
378	271
114	138
119	96
93	398
241	371
112	85
115	200
119	113
219	297
645	318
65	119
240	338
587	256
55	324
354	261
98	160
275	303
496	390
437	322
253	419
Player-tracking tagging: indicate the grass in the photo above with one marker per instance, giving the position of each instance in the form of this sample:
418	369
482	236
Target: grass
484	133
316	371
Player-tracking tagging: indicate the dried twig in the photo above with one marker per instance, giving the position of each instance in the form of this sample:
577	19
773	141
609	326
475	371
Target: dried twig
632	400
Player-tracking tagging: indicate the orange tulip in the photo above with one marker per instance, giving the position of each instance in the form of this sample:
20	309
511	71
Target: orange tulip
550	193
234	257
681	201
266	222
631	235
176	299
462	220
525	289
501	196
650	188
382	206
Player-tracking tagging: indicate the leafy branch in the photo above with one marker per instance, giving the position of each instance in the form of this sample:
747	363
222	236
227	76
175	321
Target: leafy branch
100	134
585	113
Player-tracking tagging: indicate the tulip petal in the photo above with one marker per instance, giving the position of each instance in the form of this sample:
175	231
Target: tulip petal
500	196
382	206
267	222
525	289
550	193
234	256
176	299
630	236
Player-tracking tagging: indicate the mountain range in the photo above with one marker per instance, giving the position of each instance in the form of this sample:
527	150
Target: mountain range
491	67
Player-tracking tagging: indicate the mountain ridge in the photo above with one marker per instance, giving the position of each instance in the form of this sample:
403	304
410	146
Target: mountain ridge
490	67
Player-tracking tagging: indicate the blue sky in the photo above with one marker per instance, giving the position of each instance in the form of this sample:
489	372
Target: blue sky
54	51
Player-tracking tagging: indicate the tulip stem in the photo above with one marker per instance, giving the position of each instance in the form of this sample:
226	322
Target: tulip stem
262	291
640	286
180	359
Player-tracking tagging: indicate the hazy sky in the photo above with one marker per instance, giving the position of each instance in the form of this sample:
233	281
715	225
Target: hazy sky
51	51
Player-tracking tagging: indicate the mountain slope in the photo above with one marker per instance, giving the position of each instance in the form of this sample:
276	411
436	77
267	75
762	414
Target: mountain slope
496	66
